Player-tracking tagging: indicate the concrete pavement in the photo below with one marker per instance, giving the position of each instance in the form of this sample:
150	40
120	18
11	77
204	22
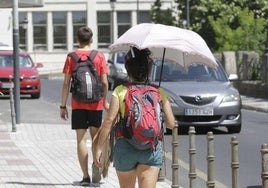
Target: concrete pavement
44	155
42	152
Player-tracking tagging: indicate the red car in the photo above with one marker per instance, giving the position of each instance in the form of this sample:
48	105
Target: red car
29	76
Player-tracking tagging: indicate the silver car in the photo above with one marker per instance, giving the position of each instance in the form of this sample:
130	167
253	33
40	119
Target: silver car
200	96
117	73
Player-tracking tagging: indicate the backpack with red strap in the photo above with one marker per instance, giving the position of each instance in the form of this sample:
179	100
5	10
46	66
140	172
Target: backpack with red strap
143	120
86	85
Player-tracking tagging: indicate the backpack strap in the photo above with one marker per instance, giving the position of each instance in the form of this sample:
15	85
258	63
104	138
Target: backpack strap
75	57
93	54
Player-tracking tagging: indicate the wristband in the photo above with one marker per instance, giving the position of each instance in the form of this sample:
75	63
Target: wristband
62	107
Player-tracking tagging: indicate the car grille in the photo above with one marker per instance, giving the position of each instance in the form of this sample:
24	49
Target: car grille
198	100
8	79
4	79
198	118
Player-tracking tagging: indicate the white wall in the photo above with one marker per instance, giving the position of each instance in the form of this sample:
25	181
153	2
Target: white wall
6	27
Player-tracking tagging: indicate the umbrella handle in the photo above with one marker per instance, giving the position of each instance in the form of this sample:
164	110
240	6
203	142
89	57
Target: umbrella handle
162	65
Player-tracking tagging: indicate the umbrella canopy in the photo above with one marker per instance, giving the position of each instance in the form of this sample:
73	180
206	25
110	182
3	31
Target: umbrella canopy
168	43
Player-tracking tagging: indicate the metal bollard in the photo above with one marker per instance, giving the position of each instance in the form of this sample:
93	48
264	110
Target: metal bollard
235	162
210	160
192	152
175	162
13	114
264	173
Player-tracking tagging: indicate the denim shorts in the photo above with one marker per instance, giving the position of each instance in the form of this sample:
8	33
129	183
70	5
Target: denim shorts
126	157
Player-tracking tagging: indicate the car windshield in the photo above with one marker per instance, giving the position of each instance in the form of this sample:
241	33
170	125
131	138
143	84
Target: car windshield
7	61
195	72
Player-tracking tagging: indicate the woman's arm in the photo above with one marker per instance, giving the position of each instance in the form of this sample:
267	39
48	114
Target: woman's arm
169	117
105	130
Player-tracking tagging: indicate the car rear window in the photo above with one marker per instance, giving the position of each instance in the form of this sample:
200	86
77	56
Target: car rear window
121	58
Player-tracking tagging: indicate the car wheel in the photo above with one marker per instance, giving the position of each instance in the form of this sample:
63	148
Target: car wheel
234	129
35	96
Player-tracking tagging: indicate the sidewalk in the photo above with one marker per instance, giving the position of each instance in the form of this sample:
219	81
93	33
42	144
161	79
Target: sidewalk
257	104
44	155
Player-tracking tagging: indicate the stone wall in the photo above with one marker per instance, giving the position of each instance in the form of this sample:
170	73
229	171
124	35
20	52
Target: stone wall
243	64
252	88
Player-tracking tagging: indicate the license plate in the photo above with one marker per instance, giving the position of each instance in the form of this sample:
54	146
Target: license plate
6	85
198	111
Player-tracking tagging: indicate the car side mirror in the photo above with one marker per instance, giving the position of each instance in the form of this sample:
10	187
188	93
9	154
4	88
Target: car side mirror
39	65
233	77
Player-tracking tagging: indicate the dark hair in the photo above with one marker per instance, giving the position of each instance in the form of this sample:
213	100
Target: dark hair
84	35
138	64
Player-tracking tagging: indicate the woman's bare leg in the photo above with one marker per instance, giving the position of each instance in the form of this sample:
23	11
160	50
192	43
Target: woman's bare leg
147	176
127	179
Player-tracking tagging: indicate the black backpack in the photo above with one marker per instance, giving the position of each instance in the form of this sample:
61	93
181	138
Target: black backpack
86	86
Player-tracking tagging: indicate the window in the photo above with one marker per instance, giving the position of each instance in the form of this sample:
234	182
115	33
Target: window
60	30
22	30
123	21
40	30
79	20
104	29
144	17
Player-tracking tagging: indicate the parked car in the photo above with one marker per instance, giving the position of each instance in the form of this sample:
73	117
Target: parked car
117	73
29	76
201	96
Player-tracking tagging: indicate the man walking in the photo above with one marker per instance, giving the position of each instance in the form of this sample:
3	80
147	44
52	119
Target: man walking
85	115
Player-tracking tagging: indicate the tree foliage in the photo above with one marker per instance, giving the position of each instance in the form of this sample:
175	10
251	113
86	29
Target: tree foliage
247	35
161	16
224	24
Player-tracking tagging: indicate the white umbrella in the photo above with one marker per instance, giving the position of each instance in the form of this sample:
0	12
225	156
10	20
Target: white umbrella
167	43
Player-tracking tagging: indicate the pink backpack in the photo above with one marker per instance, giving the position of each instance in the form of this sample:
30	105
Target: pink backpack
143	126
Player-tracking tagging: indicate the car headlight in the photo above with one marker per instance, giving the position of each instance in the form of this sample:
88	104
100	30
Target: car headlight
171	99
231	98
31	78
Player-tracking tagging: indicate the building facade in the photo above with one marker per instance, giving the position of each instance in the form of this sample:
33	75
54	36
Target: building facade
48	32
